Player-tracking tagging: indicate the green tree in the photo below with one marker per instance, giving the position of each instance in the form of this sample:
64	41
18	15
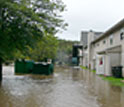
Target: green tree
45	48
22	22
64	51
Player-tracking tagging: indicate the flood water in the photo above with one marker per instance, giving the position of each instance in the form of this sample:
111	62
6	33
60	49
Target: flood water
69	87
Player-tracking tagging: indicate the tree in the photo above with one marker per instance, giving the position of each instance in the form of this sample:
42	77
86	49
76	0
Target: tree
65	50
45	48
22	22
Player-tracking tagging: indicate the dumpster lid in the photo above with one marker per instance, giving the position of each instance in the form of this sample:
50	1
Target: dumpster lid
43	63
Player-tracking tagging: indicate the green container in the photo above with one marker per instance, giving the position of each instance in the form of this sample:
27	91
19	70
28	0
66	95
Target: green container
74	60
24	67
40	68
51	68
29	66
19	66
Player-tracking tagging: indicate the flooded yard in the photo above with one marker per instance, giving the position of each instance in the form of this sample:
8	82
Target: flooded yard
68	87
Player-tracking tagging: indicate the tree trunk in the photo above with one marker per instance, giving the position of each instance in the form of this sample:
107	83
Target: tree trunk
2	29
0	70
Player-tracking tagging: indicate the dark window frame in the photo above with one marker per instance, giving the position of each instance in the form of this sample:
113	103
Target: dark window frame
111	40
121	35
104	41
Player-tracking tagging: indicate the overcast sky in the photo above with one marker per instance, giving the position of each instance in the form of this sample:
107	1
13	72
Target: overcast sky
98	15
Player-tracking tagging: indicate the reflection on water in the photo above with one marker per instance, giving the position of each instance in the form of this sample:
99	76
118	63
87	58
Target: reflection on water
69	87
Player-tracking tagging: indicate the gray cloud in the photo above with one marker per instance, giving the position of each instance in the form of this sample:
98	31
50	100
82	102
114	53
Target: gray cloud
98	15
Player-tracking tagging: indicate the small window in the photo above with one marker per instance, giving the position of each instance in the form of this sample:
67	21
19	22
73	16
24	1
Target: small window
122	34
111	39
104	41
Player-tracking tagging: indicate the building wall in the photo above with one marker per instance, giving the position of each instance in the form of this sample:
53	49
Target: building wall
100	46
111	59
84	38
85	58
91	37
122	59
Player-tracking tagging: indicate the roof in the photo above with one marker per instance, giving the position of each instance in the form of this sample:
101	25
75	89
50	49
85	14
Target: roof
110	31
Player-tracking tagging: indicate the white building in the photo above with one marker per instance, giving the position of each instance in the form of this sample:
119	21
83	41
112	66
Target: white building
86	39
108	50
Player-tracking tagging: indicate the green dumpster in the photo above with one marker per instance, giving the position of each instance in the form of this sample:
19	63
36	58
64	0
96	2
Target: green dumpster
44	69
29	66
19	66
23	67
51	68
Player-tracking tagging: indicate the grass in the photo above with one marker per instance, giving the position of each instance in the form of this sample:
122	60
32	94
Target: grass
93	70
84	67
87	69
112	80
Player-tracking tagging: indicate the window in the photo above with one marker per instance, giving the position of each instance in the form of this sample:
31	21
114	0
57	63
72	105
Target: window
104	41
111	39
98	44
122	34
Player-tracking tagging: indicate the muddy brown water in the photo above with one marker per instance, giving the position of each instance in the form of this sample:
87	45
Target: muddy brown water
69	87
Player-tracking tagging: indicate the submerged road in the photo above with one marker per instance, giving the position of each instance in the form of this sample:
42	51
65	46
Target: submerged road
69	87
